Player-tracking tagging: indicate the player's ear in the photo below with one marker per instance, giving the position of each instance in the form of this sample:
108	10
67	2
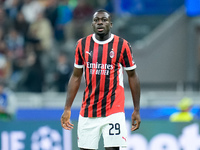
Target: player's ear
111	24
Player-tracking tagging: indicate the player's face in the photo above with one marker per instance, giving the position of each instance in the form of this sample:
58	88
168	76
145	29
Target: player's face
101	23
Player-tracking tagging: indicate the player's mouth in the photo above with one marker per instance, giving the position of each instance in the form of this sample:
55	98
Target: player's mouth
100	29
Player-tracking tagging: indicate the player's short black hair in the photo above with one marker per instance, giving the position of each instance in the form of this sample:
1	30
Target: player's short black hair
103	10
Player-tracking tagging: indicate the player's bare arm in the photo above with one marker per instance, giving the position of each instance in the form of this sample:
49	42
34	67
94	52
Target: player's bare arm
134	84
72	90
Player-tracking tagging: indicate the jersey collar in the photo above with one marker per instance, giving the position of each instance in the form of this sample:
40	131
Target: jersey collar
103	42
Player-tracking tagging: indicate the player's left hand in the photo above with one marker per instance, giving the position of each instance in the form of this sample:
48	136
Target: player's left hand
135	120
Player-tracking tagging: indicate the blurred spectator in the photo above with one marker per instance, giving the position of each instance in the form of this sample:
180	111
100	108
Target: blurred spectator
41	29
82	11
21	25
5	63
63	72
34	79
16	54
5	22
15	44
73	3
184	115
41	35
63	21
31	9
5	67
107	5
81	25
13	9
3	48
2	2
2	35
8	102
51	12
9	3
31	26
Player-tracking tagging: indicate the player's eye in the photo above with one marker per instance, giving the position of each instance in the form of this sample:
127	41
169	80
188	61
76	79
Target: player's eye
104	20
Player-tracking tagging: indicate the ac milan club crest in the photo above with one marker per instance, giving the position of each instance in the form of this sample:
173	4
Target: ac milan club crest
112	54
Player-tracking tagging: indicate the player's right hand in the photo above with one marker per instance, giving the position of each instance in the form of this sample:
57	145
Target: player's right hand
65	120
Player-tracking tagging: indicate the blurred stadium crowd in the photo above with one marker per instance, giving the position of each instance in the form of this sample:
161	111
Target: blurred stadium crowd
37	38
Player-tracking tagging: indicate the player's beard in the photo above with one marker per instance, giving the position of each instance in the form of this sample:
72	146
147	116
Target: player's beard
103	34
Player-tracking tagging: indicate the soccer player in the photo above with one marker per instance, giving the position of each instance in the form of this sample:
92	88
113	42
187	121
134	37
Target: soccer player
102	55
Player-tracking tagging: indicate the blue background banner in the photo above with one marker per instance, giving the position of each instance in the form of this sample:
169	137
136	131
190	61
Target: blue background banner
40	129
49	135
55	114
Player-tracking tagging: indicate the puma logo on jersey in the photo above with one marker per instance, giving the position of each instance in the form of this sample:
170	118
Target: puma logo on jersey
90	53
124	138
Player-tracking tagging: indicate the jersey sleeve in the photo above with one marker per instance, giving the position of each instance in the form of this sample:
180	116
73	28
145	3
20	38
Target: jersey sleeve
127	58
79	63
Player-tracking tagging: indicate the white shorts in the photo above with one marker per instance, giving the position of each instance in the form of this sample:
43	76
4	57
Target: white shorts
113	129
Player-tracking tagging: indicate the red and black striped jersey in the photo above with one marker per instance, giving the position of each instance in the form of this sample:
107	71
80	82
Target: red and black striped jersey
102	62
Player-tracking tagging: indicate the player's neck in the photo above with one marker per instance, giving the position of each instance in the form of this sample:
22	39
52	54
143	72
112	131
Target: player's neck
103	37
